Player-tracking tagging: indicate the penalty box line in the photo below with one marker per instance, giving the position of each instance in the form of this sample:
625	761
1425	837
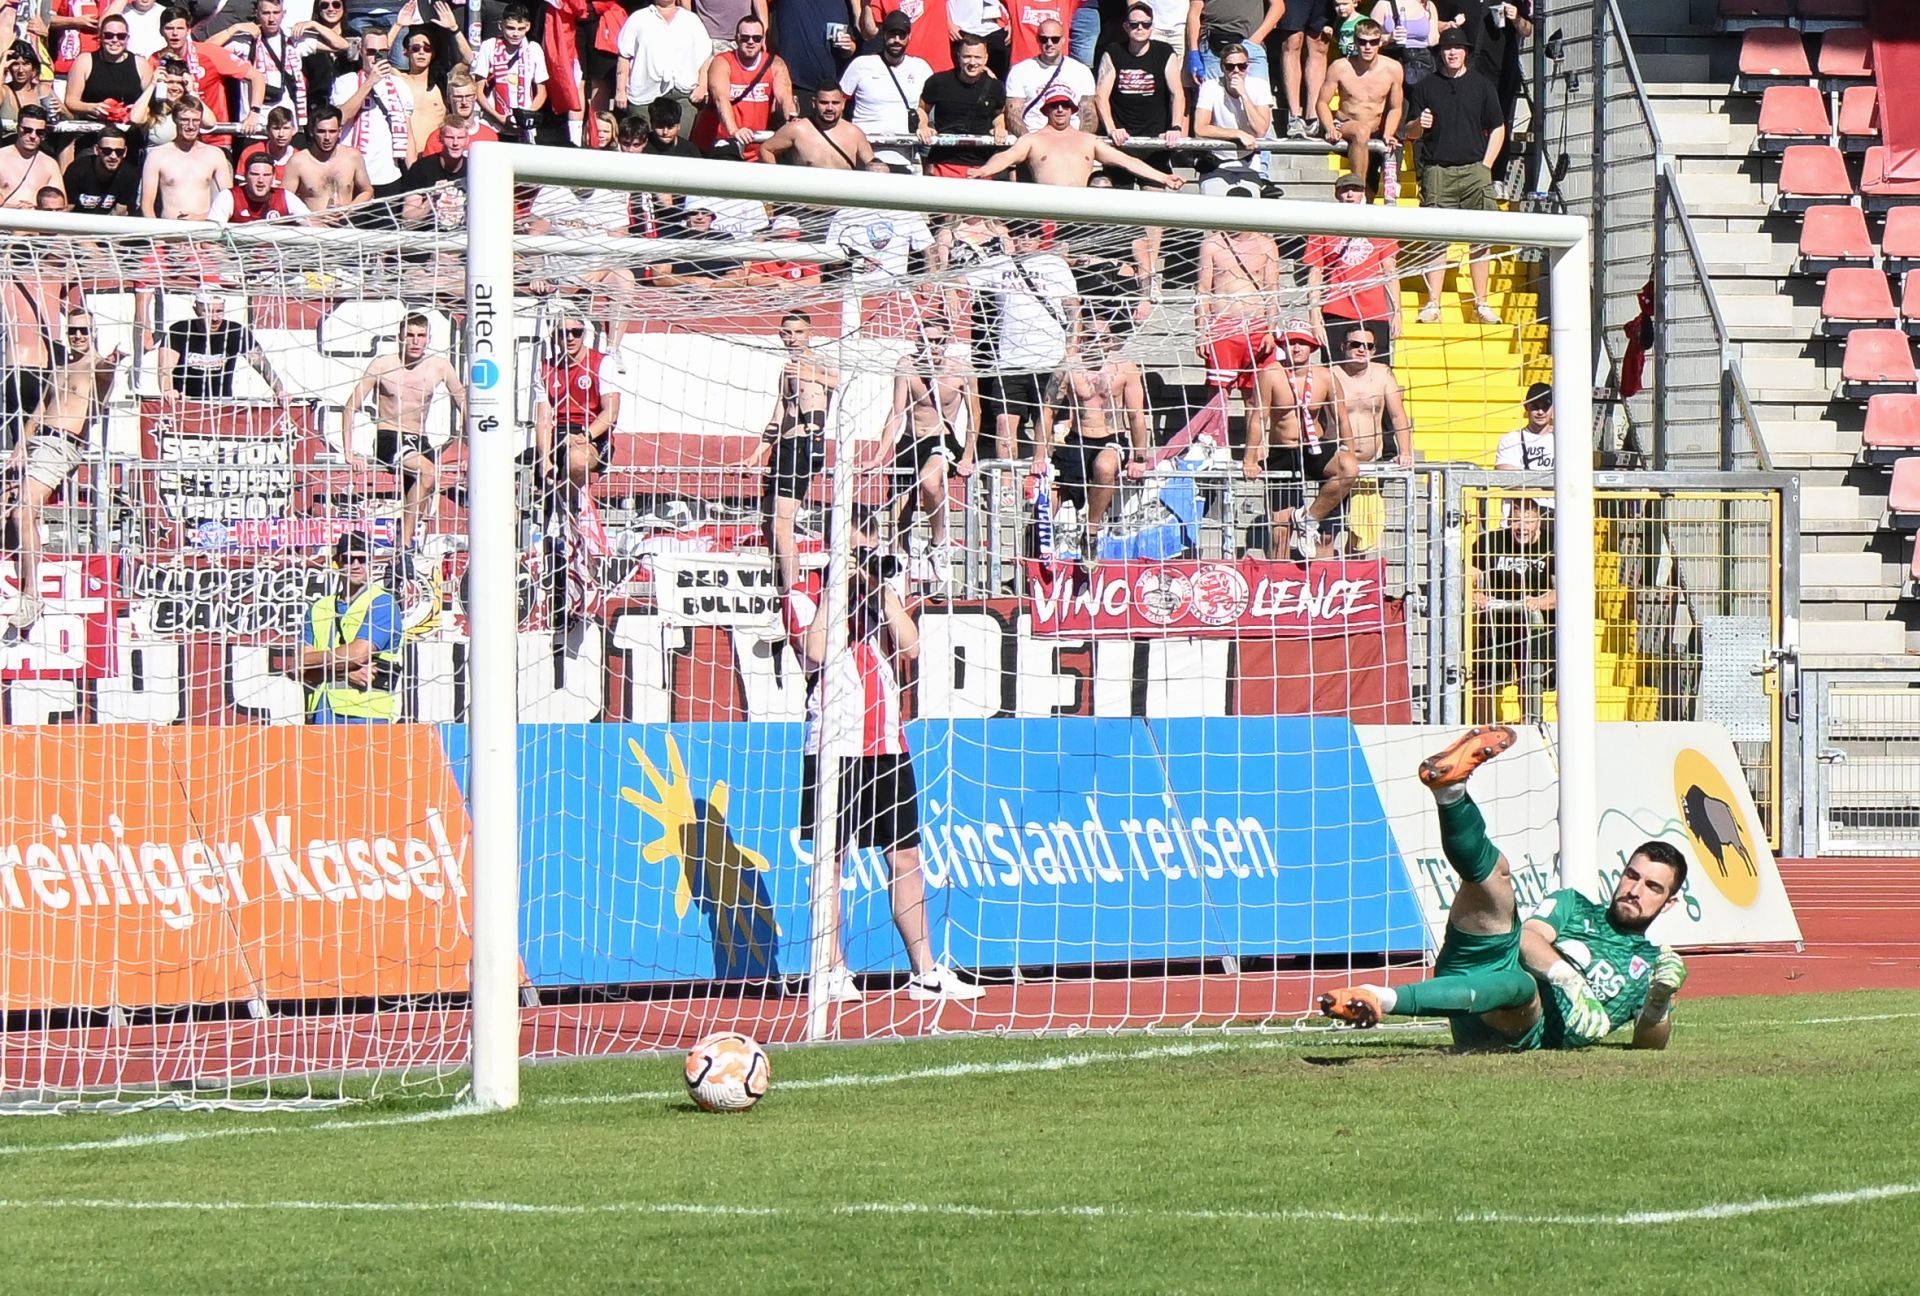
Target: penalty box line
1712	1212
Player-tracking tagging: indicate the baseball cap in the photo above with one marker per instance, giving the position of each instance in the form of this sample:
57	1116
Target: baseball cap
897	21
1059	94
1299	330
784	227
1539	396
1454	38
1349	181
351	545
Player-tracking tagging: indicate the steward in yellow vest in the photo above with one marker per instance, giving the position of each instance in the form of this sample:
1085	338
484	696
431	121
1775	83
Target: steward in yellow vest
350	657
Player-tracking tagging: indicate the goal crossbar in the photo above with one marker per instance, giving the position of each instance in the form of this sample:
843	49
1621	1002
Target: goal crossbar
494	169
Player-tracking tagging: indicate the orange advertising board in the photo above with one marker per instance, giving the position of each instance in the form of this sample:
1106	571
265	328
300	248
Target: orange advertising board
202	864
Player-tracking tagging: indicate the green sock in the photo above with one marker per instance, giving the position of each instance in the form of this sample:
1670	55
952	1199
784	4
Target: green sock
1467	993
1463	836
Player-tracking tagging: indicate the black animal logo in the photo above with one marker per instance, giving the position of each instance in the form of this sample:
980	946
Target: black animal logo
1716	827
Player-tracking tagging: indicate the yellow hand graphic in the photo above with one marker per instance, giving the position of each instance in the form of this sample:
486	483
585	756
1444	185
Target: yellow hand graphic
675	813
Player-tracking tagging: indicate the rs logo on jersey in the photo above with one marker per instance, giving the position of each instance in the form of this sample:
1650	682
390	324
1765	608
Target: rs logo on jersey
1605	980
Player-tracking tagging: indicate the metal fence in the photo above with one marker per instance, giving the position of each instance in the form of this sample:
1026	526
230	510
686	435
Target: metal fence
1693	412
1862	763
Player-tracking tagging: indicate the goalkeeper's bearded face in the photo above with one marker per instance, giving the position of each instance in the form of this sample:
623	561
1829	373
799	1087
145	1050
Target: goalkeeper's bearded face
1647	889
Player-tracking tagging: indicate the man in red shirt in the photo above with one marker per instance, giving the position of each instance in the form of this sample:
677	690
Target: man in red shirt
574	410
1354	283
932	35
257	197
213	69
277	148
744	85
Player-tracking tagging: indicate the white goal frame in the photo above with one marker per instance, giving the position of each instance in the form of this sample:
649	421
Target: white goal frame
494	169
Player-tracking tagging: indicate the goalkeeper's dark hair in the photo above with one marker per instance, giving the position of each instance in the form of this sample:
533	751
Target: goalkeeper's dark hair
1666	853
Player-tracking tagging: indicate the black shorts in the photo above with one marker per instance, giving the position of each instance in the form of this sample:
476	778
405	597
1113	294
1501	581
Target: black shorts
1307	16
595	64
1294	476
1014	395
601	445
879	801
1158	159
942	445
391	445
797	460
21	392
1073	461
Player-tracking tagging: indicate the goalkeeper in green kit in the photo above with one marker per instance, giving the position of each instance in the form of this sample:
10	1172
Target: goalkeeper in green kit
1571	975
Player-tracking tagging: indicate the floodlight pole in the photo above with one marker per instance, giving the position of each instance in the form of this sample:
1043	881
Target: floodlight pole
493	661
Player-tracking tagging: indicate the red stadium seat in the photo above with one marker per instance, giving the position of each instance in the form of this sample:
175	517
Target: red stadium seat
1900	244
1877	190
1893	428
1772	56
1910	302
1903	495
1834	235
1793	114
1877	360
1811	174
1859	118
1846	58
1856	297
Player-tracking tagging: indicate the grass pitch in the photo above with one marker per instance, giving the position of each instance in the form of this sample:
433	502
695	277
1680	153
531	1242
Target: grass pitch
1771	1150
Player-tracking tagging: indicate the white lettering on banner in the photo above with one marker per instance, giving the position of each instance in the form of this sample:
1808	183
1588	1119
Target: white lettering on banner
717	589
74	638
1014	852
222	479
184	880
1209	600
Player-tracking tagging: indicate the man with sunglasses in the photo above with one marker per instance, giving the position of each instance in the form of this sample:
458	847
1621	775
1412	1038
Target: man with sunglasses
106	83
1030	79
1373	410
1139	93
1371	89
52	444
574	409
1235	107
102	181
884	87
744	85
25	169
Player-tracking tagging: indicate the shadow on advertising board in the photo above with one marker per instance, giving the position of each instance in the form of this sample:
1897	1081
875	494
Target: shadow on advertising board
216	864
672	852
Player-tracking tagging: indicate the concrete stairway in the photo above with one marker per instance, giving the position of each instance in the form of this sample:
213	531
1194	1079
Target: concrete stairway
1852	571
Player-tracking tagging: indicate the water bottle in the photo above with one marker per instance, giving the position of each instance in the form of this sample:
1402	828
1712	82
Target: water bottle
1042	520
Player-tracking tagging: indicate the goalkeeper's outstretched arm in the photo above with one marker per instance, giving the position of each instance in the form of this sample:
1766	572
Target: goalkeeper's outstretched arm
1655	1022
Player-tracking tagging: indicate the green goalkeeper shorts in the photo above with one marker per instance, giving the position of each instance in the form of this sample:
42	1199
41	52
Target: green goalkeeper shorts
1462	954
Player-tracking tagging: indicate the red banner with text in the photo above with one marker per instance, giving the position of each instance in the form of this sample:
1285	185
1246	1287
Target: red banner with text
1207	600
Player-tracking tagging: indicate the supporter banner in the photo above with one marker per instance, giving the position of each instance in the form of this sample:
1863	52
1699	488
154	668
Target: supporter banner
306	533
75	637
1675	782
716	589
660	853
217	463
1207	600
184	865
239	598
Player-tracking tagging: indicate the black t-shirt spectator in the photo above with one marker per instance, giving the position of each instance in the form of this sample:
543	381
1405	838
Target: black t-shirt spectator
956	108
89	189
682	147
429	171
716	268
1466	112
206	356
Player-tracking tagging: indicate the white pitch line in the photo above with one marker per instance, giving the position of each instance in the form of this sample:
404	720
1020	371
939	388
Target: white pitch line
167	1138
1713	1211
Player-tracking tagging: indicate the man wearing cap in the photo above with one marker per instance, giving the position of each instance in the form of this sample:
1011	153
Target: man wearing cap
350	654
885	88
1353	282
1530	448
1063	154
1455	114
1300	446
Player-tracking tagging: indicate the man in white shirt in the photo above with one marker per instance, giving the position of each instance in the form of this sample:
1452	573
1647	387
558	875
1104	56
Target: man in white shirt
1239	107
1530	448
879	242
1039	305
885	89
1031	79
664	49
376	107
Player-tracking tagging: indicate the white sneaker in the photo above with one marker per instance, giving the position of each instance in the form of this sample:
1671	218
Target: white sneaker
1306	535
841	987
1430	313
940	564
27	612
1484	314
941	982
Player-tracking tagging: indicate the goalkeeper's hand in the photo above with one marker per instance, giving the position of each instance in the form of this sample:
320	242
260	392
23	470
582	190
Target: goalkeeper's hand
1586	1017
1669	974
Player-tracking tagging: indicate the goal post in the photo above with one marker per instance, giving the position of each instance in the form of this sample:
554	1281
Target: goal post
493	377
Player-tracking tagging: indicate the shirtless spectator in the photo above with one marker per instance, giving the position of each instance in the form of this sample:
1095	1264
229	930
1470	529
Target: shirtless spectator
1030	79
1235	296
256	197
1300	446
212	71
793	448
376	108
52	445
34	293
200	354
25	169
182	178
326	175
1353	283
937	404
1103	399
277	148
1371	88
1063	154
102	181
403	387
823	138
1373	411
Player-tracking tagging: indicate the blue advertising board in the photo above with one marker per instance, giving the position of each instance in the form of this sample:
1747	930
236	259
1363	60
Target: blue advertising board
674	852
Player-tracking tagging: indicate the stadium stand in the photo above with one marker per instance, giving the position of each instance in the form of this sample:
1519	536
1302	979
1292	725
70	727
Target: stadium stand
1877	360
1811	174
1772	56
1856	298
1846	59
1903	495
1900	241
1881	191
1834	235
1893	429
1859	118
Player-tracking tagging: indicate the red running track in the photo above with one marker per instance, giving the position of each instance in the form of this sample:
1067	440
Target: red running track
1860	919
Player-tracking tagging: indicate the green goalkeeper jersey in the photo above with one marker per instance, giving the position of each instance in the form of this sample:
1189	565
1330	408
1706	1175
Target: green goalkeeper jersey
1617	965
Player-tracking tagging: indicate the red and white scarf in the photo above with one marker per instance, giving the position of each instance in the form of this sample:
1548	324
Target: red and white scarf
287	70
508	83
398	111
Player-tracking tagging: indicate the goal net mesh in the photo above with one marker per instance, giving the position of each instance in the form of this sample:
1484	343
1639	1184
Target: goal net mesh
1143	711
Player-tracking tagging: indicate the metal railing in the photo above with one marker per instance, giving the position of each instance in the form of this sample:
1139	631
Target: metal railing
1862	763
1694	411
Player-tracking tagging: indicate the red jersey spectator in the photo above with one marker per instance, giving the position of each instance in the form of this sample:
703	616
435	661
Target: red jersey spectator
1025	17
575	408
1352	282
928	42
257	197
744	85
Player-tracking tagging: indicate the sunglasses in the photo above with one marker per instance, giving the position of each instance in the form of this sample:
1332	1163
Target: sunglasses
1050	40
573	332
753	38
420	47
24	129
1359	346
1235	67
1368	41
113	35
79	330
1139	26
100	151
